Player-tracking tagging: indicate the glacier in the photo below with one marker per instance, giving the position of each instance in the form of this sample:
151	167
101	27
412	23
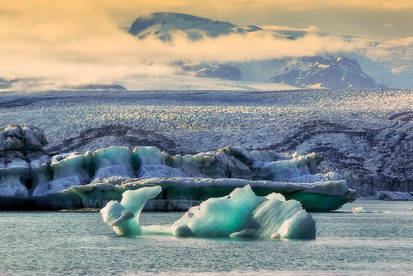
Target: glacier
241	214
30	177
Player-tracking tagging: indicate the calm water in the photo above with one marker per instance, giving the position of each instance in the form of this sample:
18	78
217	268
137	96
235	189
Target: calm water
60	243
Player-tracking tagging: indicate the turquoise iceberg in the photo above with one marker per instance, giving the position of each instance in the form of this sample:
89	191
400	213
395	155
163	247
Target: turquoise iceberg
237	215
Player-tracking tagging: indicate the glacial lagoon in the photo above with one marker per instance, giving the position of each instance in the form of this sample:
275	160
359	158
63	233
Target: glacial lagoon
80	243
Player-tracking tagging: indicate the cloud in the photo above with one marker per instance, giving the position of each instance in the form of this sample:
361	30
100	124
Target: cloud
396	50
234	6
288	28
97	58
399	69
80	42
254	46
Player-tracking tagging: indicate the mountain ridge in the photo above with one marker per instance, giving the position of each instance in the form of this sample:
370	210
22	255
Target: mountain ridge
322	71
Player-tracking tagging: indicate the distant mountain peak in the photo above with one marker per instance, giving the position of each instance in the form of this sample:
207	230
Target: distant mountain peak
325	72
163	24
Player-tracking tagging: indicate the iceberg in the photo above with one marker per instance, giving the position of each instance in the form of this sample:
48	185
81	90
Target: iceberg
219	217
394	196
358	210
30	177
241	214
124	216
181	193
317	196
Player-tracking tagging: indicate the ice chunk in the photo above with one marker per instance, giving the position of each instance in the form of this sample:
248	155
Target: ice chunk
300	226
22	137
358	210
135	200
230	162
278	218
219	217
68	170
113	161
391	195
11	185
114	213
319	196
34	138
243	214
297	169
335	187
13	176
39	175
124	216
151	162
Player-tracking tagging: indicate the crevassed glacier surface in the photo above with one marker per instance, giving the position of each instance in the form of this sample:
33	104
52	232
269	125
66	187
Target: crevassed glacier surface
365	135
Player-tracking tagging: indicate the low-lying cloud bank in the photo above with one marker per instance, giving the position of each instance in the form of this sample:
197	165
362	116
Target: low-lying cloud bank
79	44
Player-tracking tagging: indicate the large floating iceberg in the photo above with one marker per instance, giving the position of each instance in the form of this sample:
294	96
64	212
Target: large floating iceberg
32	178
239	214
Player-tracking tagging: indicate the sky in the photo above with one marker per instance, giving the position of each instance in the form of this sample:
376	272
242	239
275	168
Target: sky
376	18
83	40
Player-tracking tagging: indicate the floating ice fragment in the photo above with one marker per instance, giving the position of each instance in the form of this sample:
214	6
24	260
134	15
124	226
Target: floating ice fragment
358	210
243	214
114	213
278	218
239	214
219	217
362	210
124	216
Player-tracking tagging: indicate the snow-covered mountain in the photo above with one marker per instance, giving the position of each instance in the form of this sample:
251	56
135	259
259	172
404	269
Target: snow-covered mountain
163	24
325	72
305	72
